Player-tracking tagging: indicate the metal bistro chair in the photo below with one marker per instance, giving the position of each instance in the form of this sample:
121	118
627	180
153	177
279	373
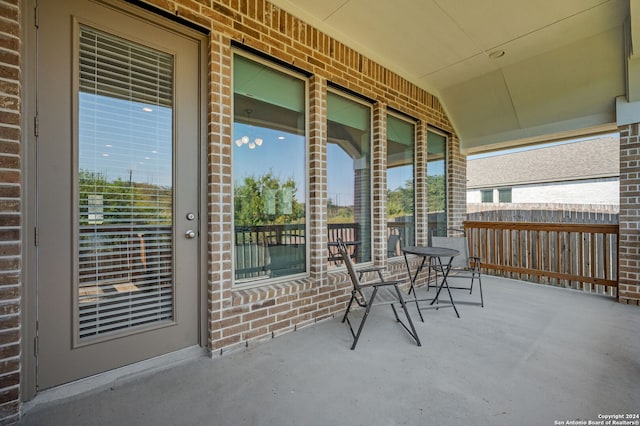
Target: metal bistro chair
394	245
368	295
463	266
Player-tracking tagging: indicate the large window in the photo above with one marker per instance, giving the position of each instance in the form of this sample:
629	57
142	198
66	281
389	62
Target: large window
437	182
400	184
349	176
269	171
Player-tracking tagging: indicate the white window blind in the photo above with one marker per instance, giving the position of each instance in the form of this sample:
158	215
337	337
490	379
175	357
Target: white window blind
125	249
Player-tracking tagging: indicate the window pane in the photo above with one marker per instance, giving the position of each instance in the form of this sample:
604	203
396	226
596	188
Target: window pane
487	195
400	199
269	172
124	183
349	176
504	195
437	183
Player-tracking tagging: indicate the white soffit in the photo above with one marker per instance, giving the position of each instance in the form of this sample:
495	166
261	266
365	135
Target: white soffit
569	82
444	45
483	103
568	88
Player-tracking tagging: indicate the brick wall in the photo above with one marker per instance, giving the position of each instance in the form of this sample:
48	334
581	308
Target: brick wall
10	206
236	317
629	240
241	316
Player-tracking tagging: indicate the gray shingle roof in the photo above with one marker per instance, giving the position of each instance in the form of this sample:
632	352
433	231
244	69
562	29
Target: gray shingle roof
589	159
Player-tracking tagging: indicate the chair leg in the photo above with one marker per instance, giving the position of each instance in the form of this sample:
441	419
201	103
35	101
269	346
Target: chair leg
480	285
413	331
395	312
353	295
364	318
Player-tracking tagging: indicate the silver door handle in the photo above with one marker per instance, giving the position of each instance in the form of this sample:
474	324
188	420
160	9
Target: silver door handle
190	234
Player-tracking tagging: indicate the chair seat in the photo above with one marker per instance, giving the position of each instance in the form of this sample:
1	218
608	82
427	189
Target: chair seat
463	266
372	294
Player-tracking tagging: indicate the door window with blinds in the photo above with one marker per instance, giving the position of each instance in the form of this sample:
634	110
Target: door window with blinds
124	186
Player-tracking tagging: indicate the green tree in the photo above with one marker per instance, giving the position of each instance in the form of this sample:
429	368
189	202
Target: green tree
436	193
400	201
122	201
266	200
339	214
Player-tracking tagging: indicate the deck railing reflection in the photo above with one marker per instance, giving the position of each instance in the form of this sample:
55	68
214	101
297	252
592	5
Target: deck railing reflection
264	251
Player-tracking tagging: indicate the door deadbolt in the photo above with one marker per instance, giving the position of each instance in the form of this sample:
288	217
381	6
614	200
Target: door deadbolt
191	216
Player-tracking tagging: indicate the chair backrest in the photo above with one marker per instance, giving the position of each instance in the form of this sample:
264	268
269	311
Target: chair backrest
394	244
346	258
456	243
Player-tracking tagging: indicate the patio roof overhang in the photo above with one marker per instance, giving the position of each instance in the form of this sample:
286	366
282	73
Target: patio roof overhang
508	72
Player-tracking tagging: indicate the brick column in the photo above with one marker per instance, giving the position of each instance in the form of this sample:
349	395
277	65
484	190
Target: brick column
629	240
456	184
379	165
219	198
318	180
421	189
10	211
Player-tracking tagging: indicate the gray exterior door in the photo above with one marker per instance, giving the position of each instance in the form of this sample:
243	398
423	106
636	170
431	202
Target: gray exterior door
117	190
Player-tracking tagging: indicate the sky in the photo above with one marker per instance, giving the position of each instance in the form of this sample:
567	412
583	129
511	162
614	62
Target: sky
132	140
125	139
283	154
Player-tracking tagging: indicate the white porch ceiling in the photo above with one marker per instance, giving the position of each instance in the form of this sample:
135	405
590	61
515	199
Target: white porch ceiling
563	67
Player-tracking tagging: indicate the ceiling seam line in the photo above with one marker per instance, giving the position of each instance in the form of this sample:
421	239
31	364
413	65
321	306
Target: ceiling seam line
545	26
486	51
513	106
336	10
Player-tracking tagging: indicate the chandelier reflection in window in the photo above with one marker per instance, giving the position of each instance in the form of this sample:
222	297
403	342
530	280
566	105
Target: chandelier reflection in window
246	140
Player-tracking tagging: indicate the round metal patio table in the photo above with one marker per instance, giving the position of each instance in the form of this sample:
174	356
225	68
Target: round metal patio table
437	253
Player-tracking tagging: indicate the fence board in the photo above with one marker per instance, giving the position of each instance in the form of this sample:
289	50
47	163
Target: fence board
544	252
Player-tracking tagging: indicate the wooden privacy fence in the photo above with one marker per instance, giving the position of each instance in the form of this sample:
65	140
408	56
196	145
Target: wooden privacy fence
579	256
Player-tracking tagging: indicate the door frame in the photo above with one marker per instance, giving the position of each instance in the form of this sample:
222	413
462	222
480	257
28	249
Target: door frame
166	22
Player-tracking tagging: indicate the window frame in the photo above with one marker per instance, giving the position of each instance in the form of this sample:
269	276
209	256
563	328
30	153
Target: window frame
344	93
248	283
413	122
445	159
484	192
505	191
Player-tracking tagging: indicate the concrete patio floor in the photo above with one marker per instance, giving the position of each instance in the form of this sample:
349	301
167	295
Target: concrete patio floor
533	355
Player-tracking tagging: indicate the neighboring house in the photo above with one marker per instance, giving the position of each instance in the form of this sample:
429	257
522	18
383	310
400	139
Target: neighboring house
585	172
